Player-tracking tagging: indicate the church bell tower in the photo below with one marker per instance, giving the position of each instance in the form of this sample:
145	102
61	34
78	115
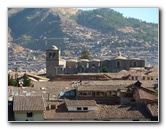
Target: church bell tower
52	61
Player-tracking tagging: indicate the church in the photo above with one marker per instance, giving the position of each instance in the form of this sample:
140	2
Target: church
55	65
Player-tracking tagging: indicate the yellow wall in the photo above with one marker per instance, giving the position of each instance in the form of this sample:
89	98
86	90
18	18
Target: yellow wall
22	116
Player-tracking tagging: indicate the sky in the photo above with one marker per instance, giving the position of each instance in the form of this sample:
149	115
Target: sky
145	14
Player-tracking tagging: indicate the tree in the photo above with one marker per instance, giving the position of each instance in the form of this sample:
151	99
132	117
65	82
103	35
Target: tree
85	54
27	81
156	92
105	70
13	81
9	80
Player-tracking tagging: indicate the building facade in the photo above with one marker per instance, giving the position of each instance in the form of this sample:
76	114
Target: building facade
55	65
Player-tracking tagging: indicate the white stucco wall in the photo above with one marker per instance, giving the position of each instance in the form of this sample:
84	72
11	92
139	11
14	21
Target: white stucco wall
22	116
90	108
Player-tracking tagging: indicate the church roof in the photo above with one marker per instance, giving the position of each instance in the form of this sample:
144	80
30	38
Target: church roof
120	57
83	60
53	47
71	60
134	59
95	60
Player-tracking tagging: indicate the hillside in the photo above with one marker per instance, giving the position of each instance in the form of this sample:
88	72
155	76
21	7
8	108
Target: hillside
102	31
110	21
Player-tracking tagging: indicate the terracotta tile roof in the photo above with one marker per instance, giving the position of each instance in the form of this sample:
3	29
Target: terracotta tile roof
122	112
80	103
145	95
153	109
101	88
53	115
103	112
28	103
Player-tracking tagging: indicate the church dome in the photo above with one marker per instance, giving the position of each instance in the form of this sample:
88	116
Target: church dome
120	57
95	60
71	60
53	47
83	60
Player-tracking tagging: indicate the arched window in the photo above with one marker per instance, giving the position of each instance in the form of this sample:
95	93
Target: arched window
134	64
53	55
50	55
118	64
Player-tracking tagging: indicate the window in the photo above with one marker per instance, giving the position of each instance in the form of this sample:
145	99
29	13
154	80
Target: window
136	78
108	94
47	108
135	119
134	64
98	93
93	94
53	55
114	93
79	109
118	64
132	78
101	93
143	78
29	114
89	93
81	93
85	93
53	107
50	55
85	108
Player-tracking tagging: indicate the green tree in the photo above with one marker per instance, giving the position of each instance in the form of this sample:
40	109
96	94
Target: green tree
27	81
13	81
9	80
85	54
105	70
156	92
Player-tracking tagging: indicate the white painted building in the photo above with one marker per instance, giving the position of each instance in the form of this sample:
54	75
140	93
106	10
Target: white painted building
81	105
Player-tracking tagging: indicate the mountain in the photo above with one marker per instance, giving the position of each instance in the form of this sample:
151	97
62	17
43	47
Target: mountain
109	21
73	29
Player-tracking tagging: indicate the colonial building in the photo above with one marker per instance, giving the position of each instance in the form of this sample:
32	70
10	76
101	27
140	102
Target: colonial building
55	65
28	108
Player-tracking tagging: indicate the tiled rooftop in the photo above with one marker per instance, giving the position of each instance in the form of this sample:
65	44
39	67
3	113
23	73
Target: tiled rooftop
153	109
145	95
80	103
26	103
103	112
